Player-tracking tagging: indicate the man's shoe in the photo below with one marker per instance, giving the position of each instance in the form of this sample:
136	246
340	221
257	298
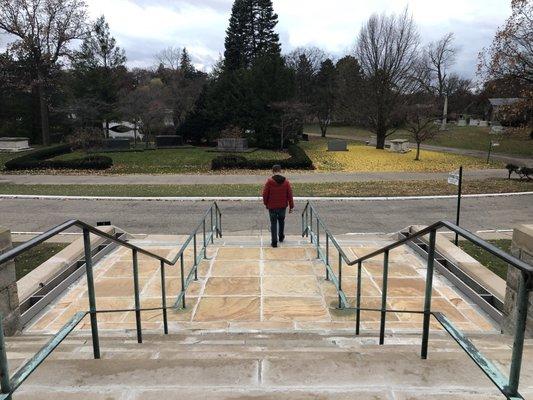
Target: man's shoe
281	239
274	245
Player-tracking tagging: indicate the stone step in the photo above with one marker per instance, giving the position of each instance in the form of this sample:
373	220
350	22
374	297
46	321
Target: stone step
350	371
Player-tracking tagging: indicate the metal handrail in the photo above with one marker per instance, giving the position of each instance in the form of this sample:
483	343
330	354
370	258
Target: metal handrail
508	386
8	386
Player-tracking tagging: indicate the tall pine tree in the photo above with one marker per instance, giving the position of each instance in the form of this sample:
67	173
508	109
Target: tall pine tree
251	34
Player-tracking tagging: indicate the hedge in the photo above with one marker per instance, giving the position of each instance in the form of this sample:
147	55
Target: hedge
39	159
298	160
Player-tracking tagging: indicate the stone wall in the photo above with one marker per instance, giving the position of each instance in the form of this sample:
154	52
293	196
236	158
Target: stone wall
9	301
522	248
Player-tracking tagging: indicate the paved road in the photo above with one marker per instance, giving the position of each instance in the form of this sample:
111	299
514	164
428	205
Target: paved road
187	179
250	217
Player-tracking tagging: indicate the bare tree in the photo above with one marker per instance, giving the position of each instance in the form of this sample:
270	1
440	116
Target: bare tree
170	58
43	29
440	56
421	123
388	51
314	55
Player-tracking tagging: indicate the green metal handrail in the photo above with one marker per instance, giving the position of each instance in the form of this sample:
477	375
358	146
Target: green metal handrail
508	386
9	385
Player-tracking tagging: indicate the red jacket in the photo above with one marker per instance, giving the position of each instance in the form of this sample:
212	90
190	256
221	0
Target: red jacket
277	193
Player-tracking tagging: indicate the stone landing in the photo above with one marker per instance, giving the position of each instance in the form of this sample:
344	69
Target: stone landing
245	286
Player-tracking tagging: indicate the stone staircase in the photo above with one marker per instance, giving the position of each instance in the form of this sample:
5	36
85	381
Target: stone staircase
223	365
261	324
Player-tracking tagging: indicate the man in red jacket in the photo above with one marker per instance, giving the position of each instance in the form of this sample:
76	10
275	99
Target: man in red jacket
277	196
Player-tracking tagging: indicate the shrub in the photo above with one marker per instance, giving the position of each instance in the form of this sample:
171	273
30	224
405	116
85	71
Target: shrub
86	139
298	160
39	159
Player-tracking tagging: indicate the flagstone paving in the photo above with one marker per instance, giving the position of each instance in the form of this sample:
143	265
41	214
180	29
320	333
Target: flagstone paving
244	285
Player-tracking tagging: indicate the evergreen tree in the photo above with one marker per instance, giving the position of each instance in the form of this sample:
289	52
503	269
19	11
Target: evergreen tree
304	76
98	71
186	66
251	34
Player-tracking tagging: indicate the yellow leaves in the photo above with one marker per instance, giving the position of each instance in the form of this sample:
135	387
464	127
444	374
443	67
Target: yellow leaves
360	158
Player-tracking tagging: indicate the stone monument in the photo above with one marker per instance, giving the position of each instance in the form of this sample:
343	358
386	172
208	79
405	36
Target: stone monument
9	300
14	144
232	144
399	146
337	145
522	248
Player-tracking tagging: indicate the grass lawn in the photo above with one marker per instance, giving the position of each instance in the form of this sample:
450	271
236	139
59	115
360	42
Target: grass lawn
34	257
362	158
167	161
332	189
468	137
5	157
485	258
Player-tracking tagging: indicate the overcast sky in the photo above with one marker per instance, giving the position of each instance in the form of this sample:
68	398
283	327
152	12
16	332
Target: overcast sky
144	27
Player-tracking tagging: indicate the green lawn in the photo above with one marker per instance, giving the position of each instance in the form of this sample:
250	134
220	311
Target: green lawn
332	189
468	137
34	257
485	258
362	158
167	161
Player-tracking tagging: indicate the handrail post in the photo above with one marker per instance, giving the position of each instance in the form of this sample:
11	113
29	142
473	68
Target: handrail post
358	300
5	382
303	224
520	328
220	223
136	294
340	280
327	255
204	238
384	297
195	256
91	292
164	298
211	219
427	297
307	222
311	222
317	238
182	280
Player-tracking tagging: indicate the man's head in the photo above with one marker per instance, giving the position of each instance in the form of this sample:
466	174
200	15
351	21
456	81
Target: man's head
276	169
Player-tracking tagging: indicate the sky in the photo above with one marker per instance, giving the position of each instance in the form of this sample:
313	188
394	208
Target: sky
145	27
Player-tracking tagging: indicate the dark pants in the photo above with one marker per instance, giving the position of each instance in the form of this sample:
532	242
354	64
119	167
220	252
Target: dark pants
277	221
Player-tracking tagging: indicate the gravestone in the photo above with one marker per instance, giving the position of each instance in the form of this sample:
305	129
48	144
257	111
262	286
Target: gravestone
474	122
496	128
116	144
461	122
522	248
399	145
232	144
168	141
483	123
337	145
9	300
14	144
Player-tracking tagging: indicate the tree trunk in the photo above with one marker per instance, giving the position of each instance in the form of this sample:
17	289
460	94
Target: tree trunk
323	129
380	139
43	106
107	128
417	157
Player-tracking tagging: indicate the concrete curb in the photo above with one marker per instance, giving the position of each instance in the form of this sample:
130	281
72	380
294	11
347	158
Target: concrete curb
253	198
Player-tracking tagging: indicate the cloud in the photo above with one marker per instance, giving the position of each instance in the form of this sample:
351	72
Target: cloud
145	27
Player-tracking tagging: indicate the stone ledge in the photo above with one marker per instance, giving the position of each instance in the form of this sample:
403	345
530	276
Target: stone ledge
28	284
469	265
